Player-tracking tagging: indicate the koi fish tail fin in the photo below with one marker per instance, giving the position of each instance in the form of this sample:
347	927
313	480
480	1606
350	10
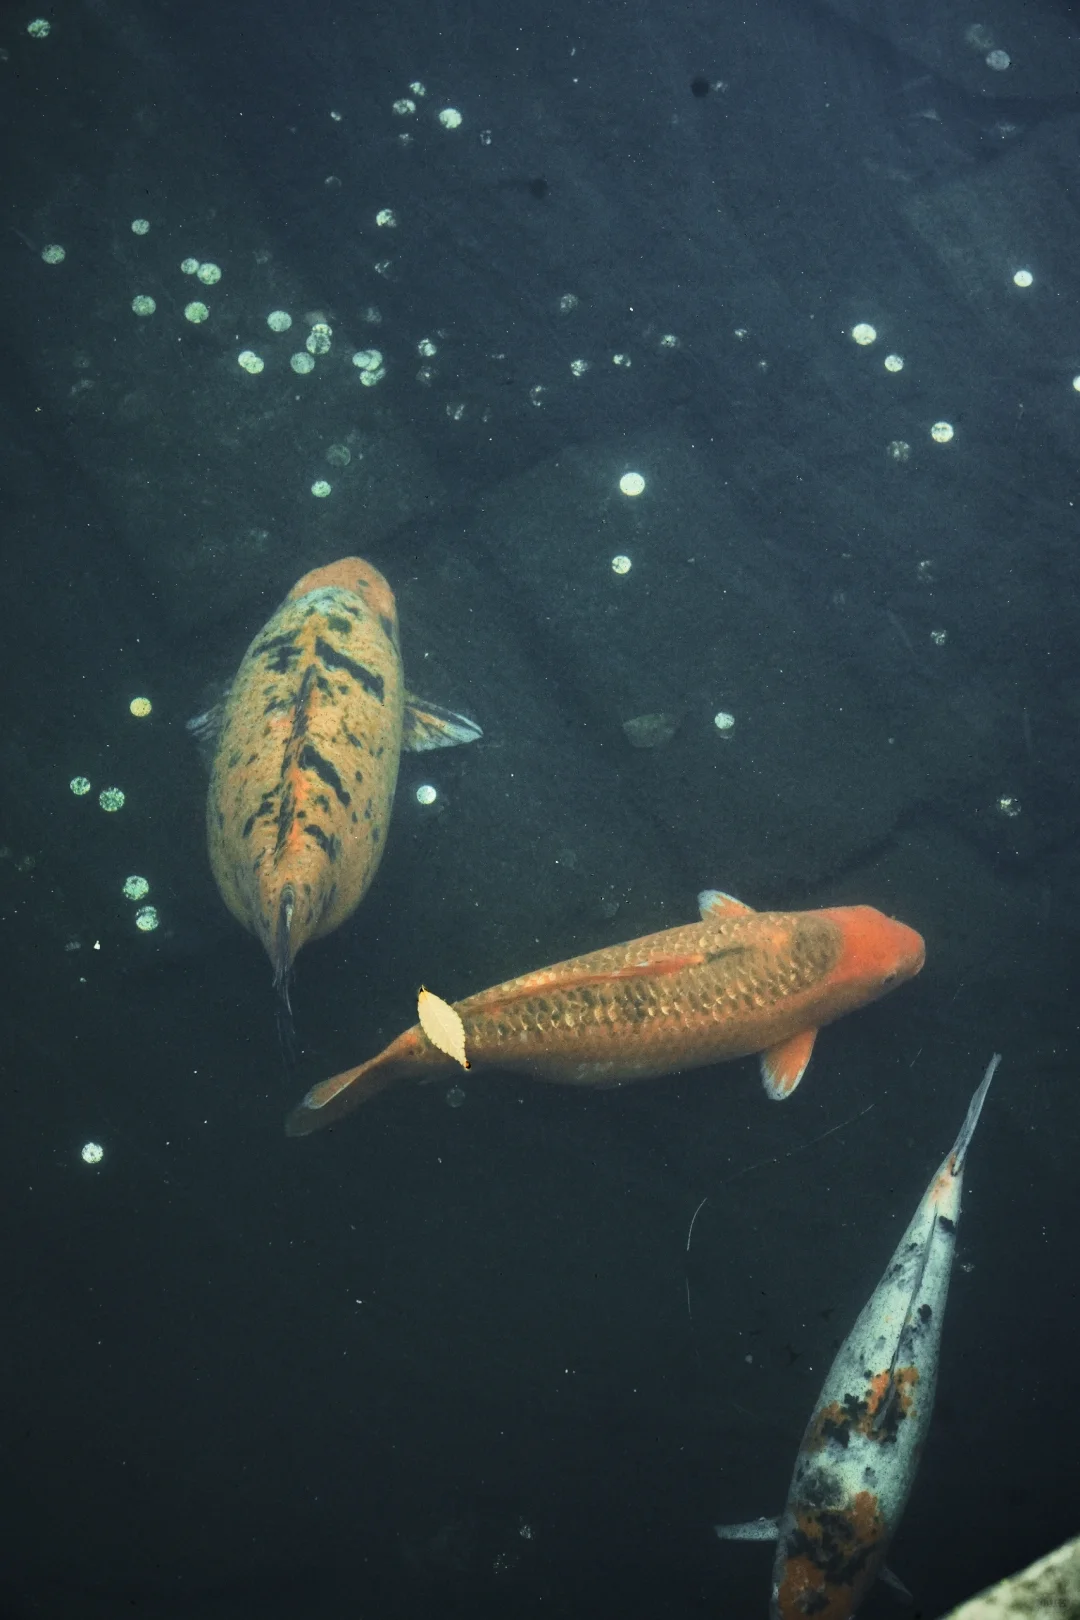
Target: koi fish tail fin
967	1129
327	1102
281	956
286	1028
407	1058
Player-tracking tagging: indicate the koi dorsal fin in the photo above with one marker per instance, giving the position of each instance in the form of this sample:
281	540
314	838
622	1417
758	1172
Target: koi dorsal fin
427	726
714	904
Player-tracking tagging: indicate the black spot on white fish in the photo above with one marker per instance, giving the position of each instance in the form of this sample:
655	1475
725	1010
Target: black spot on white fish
334	658
310	759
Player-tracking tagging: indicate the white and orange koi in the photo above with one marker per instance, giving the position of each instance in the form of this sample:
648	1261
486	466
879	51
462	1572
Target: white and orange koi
858	1456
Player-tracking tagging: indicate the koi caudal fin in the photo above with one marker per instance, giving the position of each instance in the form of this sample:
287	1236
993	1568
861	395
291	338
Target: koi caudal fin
407	1058
281	956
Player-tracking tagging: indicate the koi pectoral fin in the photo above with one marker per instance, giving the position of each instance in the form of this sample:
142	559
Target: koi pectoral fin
427	726
752	1530
205	730
783	1066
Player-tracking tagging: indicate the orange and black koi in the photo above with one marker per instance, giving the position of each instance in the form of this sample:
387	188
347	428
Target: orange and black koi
306	763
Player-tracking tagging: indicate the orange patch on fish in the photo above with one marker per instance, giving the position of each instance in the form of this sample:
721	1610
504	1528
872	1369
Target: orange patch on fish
875	1415
736	983
840	1549
306	765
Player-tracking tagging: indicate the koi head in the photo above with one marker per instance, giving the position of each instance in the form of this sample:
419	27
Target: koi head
877	953
355	575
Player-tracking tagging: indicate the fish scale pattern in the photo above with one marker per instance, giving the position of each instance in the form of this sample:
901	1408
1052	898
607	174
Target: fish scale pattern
688	983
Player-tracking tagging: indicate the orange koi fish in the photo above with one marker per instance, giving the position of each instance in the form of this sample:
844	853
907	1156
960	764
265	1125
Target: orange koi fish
862	1445
738	982
306	762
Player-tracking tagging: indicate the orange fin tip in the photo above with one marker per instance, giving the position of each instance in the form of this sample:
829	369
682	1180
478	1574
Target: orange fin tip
714	903
783	1066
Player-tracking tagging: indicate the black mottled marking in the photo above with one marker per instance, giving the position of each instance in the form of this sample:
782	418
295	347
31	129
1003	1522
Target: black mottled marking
234	759
266	808
728	950
311	760
340	626
358	776
276	705
355	818
343	689
925	1313
387	625
375	835
945	1223
274	643
323	802
334	658
328	844
837	1429
322	683
280	652
350	737
286	814
367	811
251	759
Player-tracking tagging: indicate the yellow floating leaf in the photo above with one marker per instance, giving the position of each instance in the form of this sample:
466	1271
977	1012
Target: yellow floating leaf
442	1026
